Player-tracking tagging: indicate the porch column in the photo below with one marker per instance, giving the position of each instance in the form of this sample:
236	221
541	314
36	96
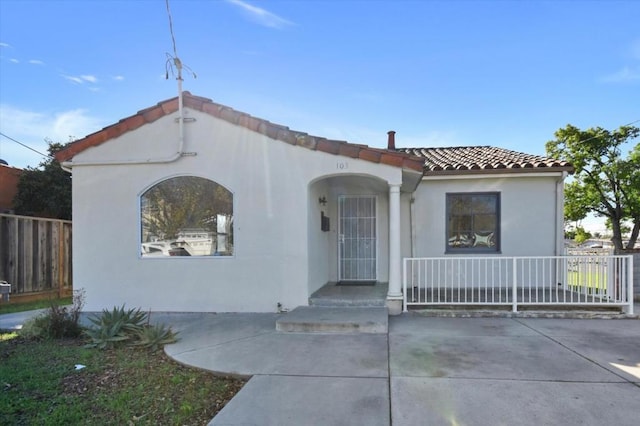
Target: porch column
394	296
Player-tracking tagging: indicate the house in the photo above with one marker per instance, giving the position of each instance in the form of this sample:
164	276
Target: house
9	177
193	206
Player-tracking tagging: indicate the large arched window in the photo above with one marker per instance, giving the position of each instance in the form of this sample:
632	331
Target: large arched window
186	216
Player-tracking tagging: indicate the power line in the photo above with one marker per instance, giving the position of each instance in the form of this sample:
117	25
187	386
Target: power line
26	146
595	137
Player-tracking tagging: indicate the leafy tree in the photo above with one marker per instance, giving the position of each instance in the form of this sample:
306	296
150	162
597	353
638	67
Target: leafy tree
45	191
581	235
605	182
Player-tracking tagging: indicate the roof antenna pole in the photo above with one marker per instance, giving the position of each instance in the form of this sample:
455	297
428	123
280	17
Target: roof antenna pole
174	61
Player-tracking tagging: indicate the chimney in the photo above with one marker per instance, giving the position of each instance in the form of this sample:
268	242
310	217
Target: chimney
391	143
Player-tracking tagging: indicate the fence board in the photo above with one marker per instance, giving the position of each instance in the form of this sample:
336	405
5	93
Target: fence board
35	254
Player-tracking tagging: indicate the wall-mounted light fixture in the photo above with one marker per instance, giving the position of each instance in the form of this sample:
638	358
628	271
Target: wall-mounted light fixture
322	200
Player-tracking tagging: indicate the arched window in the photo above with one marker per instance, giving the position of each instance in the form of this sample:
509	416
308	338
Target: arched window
186	216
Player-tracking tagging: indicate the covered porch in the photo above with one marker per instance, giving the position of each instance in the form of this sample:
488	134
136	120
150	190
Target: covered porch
354	229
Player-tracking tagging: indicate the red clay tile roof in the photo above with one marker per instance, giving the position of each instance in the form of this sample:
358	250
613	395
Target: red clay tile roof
258	125
482	159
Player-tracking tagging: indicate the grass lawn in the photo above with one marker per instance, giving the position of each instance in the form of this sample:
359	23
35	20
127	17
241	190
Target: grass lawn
39	384
6	308
593	281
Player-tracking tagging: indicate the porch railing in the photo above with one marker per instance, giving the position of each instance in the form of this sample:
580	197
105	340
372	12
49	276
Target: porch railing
605	280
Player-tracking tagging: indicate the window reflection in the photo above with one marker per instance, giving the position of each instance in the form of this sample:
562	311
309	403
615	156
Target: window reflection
187	216
473	222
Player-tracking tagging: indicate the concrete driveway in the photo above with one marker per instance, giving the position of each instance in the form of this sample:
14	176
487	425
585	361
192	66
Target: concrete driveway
426	371
499	371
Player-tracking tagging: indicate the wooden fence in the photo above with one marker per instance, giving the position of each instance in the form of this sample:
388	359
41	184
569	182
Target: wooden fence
35	256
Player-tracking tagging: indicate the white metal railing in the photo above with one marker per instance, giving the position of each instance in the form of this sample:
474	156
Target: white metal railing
604	280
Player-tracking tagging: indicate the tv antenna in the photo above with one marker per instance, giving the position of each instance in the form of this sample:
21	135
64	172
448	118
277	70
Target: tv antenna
173	61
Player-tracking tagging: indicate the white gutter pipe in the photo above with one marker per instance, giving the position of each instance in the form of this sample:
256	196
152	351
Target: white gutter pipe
68	165
560	214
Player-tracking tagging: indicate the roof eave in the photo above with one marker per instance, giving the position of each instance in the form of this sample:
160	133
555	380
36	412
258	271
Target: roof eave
506	171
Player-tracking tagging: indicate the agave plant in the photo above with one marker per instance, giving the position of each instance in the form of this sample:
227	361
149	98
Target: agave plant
155	336
117	325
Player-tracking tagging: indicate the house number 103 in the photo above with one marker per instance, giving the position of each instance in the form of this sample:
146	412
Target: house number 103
342	165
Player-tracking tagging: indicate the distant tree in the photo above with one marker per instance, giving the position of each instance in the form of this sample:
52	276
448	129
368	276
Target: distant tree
605	182
46	190
581	235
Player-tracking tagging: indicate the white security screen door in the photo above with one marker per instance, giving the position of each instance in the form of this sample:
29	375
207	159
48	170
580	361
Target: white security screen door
357	245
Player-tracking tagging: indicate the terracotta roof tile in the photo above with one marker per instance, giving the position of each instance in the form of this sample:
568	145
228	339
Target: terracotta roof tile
230	115
476	159
427	160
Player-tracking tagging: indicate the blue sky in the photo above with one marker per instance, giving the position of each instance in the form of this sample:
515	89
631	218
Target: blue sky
504	73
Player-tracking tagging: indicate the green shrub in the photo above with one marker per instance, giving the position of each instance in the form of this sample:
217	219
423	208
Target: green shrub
57	321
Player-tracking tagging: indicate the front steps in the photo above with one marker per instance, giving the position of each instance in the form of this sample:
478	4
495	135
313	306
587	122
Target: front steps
335	319
337	308
334	295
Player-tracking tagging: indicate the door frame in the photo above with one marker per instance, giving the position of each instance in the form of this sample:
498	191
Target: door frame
377	236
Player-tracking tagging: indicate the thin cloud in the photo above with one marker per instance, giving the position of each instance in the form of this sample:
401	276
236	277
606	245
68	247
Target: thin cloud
36	62
57	126
118	78
33	127
4	44
81	79
14	60
625	75
89	78
261	16
77	80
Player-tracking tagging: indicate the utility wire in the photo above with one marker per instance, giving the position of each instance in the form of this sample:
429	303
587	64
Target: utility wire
26	146
595	137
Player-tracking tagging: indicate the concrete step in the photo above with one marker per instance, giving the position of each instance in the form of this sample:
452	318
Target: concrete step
334	295
318	319
373	302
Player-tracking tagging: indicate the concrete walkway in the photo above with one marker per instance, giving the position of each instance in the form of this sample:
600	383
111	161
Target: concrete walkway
425	371
435	371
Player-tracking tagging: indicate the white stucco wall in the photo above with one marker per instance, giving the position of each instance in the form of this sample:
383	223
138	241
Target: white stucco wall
527	218
275	219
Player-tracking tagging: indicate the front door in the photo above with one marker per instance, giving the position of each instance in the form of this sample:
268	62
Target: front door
357	238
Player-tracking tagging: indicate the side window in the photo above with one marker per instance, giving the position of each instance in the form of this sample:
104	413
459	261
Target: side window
186	216
473	222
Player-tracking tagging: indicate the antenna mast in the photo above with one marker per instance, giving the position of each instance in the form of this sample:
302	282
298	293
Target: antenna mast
174	61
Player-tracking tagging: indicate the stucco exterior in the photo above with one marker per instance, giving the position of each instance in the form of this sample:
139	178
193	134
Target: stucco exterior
528	212
280	255
282	184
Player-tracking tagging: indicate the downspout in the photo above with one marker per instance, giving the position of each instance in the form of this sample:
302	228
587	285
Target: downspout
68	165
412	234
559	228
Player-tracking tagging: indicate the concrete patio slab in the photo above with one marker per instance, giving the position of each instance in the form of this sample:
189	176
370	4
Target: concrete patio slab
411	323
314	319
289	400
16	320
593	328
490	358
420	401
487	348
204	330
331	355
